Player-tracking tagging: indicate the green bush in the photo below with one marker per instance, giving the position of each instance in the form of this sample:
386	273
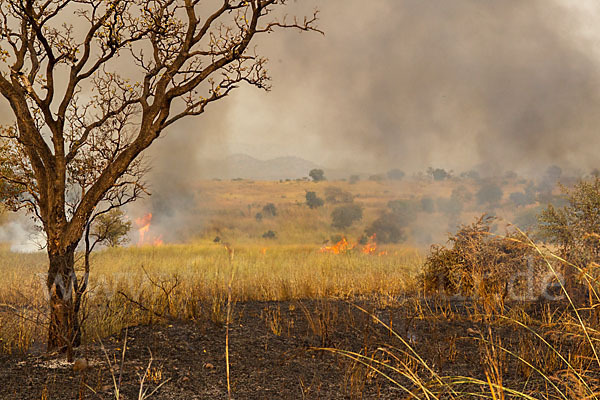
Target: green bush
439	174
269	210
344	216
387	229
111	228
269	235
313	201
335	195
317	175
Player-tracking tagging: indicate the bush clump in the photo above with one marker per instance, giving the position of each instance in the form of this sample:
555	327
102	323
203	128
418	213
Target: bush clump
484	266
317	175
387	229
269	210
489	193
269	235
439	174
344	216
313	201
335	195
575	230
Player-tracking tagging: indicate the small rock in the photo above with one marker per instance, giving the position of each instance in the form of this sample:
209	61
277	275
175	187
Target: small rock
209	366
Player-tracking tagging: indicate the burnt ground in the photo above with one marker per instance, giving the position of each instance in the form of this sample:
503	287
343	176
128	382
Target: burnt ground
272	355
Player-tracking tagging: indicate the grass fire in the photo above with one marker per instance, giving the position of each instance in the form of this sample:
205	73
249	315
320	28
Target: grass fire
273	199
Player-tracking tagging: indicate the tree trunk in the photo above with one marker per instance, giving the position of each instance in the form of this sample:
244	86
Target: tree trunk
61	282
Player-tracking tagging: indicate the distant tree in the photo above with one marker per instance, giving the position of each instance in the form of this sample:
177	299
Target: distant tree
438	174
344	216
377	178
269	210
353	179
395	174
317	175
258	217
334	195
387	229
313	201
489	193
427	205
269	235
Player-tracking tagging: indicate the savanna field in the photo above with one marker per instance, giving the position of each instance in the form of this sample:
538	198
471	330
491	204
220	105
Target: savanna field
321	308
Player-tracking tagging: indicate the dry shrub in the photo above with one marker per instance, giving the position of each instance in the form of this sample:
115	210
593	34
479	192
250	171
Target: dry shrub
575	231
480	264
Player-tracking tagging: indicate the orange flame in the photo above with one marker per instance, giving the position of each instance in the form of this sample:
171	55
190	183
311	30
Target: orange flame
340	247
263	251
371	246
144	227
343	247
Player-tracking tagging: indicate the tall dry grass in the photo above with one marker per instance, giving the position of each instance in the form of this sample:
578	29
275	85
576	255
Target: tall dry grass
139	285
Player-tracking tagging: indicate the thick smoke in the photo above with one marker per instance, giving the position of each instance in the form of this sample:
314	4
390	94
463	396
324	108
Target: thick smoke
406	84
416	83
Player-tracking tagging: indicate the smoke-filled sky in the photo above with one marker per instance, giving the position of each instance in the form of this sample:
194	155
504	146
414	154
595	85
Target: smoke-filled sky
512	84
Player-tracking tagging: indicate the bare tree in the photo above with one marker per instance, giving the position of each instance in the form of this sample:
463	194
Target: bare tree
91	84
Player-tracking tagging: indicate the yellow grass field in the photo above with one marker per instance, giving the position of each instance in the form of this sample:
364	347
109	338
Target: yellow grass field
132	285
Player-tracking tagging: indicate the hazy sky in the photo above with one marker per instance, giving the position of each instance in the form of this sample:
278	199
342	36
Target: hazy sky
418	83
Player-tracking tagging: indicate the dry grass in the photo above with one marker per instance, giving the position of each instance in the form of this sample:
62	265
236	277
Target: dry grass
136	285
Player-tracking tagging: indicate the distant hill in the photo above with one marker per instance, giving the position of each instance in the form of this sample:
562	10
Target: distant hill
248	167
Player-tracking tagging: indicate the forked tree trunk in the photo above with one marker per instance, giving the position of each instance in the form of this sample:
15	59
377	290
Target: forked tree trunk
63	330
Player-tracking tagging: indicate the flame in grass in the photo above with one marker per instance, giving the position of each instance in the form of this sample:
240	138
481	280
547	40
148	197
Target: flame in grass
344	247
263	251
371	246
340	247
143	224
